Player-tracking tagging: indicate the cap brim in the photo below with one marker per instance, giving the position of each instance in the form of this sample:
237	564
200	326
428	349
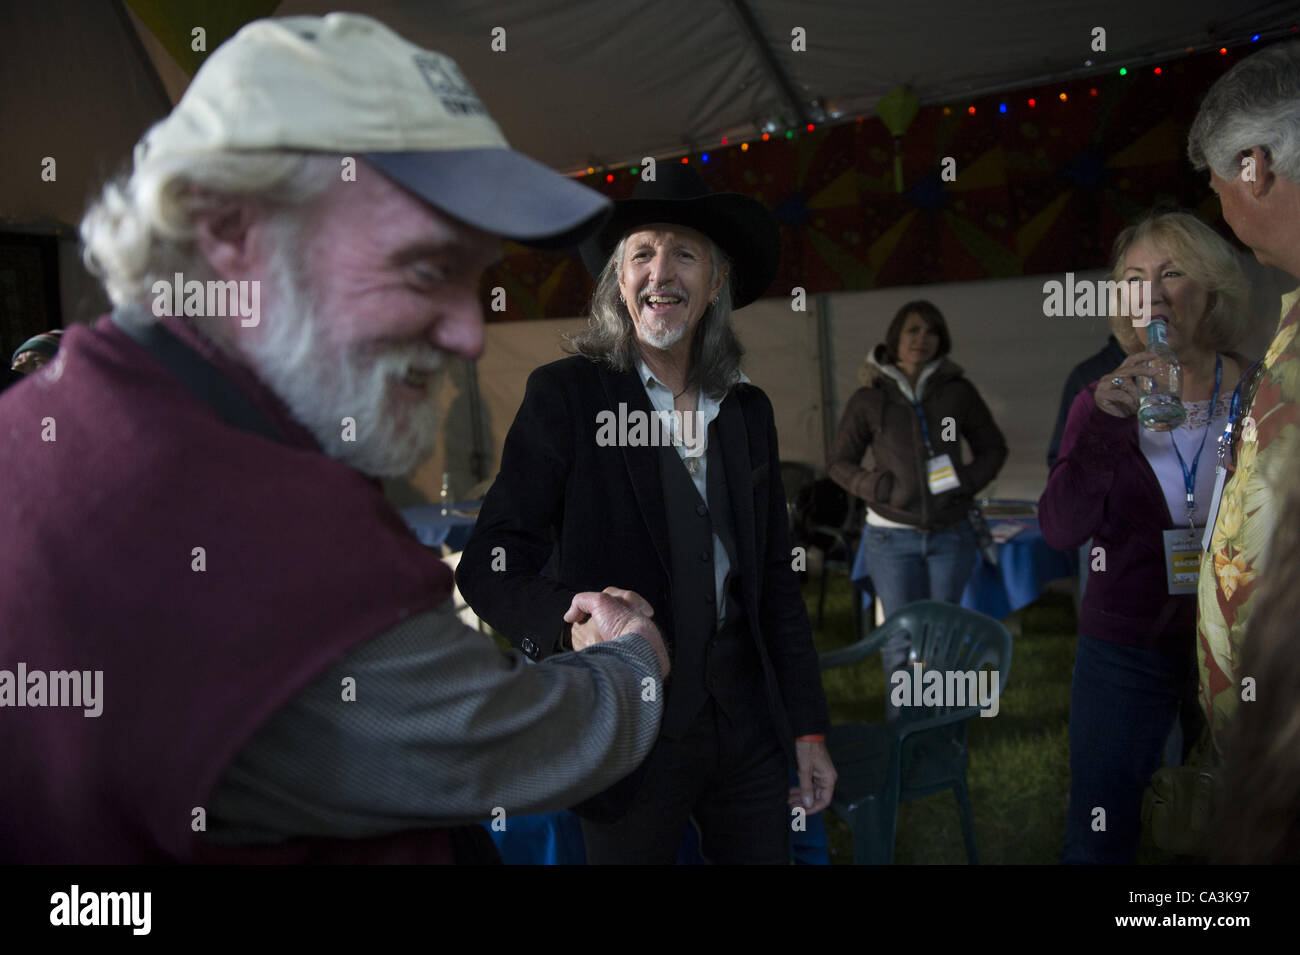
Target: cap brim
500	191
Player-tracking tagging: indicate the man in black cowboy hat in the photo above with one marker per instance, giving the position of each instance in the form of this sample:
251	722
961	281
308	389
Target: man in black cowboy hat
648	461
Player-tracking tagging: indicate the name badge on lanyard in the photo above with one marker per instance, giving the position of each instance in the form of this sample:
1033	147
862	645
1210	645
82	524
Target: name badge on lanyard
1182	559
1183	546
942	475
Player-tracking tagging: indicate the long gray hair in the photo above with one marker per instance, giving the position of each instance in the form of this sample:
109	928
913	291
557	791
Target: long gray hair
610	337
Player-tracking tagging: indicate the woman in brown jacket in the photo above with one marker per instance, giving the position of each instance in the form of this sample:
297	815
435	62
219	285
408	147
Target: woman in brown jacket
913	413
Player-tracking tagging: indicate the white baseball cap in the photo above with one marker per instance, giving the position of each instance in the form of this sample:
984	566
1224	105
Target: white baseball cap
345	83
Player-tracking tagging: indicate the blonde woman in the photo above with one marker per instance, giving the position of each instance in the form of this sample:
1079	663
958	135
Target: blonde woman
1126	488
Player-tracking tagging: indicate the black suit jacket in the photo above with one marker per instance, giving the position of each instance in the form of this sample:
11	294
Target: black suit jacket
600	511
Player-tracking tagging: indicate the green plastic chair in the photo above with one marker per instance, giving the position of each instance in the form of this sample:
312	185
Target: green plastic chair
924	751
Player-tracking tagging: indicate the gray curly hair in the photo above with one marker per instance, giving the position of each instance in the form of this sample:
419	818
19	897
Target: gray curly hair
1254	104
140	228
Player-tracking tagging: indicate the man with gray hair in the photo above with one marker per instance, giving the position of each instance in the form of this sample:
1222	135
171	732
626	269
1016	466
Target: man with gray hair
192	505
1247	134
648	459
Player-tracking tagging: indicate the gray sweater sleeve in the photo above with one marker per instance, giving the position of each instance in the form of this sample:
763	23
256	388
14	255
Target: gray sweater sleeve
444	729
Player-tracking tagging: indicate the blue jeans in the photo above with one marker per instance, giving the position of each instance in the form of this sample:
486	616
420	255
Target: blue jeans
908	565
1123	702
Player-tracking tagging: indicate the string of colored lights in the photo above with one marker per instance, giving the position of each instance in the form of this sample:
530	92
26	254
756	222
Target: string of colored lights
1004	105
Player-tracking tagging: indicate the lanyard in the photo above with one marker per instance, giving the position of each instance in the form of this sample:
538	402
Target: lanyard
925	429
1225	439
1189	477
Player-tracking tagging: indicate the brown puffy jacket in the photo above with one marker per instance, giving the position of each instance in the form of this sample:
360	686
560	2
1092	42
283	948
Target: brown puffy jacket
881	416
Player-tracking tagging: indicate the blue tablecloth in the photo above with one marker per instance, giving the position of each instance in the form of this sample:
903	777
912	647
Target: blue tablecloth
434	528
553	838
556	839
1025	563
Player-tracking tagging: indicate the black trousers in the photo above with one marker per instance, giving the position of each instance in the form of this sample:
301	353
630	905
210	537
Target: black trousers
730	777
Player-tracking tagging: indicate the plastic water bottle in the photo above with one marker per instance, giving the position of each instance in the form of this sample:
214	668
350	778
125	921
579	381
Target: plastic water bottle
1161	407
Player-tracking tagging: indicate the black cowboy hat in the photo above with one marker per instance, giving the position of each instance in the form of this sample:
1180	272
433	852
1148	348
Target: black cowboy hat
742	227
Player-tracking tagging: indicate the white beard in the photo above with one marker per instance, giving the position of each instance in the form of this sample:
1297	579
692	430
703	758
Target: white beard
322	384
668	337
665	339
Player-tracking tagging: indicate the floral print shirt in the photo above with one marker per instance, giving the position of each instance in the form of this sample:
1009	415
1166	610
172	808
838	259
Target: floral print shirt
1265	433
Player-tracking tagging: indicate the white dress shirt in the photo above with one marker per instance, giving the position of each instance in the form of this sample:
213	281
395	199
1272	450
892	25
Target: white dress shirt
706	408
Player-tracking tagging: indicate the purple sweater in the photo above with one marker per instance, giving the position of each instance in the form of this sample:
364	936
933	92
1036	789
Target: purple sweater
1102	487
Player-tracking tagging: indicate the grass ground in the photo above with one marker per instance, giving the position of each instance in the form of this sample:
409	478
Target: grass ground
1019	761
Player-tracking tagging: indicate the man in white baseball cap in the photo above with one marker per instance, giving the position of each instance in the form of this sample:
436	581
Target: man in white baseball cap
346	84
265	660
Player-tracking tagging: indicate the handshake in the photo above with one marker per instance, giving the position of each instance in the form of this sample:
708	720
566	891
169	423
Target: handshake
600	617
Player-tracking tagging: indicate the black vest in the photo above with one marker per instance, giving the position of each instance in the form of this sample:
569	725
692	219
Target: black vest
710	658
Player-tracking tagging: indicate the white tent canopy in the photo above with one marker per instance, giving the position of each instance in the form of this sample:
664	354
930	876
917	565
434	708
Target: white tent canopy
593	83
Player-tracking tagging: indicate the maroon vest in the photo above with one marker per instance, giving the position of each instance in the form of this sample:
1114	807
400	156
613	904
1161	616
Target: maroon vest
98	530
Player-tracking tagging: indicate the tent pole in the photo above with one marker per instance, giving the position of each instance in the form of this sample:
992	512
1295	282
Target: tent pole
770	63
826	369
146	63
